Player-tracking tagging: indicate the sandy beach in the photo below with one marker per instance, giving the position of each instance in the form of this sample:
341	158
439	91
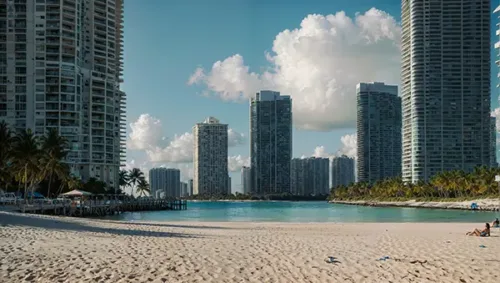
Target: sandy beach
51	249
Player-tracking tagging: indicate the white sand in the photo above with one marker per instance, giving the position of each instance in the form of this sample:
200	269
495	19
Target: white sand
49	249
484	204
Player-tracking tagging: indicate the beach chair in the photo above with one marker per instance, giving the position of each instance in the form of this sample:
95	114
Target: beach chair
474	206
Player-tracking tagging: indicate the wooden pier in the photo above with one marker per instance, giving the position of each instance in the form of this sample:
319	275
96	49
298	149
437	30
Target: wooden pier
98	208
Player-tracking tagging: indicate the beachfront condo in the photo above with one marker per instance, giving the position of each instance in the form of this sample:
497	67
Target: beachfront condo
165	182
61	67
342	171
445	86
246	179
270	142
310	176
378	132
210	158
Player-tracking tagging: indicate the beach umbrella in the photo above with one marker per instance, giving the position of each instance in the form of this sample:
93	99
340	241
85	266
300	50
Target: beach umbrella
76	193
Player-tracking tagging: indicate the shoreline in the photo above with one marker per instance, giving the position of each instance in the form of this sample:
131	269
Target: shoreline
64	249
483	204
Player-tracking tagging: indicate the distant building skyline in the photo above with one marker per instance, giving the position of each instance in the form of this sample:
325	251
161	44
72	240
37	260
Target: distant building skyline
310	176
343	171
165	182
270	142
210	158
445	87
378	132
246	179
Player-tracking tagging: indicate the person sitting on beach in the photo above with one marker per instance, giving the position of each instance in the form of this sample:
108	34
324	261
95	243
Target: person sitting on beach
496	223
479	233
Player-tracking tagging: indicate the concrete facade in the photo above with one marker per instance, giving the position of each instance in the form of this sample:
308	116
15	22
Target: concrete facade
342	171
445	86
310	176
210	158
61	67
165	182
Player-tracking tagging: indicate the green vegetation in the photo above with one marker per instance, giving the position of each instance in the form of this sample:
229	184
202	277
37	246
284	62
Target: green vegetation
29	163
446	186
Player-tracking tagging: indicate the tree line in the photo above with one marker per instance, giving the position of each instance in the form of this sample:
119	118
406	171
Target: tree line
456	184
31	163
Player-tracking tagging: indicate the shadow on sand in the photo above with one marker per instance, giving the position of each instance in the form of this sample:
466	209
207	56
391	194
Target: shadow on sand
15	219
187	226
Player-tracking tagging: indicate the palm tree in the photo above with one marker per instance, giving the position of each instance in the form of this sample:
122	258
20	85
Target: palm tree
123	178
142	187
26	160
95	186
134	176
54	151
6	141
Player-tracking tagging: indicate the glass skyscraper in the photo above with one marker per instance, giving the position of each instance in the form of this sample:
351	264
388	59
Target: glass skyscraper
270	142
378	132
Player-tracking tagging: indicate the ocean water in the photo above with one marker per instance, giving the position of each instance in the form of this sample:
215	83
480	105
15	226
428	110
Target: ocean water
269	211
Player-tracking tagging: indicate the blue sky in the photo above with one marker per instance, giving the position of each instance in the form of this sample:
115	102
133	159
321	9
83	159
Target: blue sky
166	41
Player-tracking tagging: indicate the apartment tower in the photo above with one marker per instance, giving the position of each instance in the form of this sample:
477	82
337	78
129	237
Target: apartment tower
342	171
270	142
246	179
210	158
61	67
165	182
445	86
378	132
310	176
493	143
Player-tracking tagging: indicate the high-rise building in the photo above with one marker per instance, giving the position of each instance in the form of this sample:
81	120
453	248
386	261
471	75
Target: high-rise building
210	158
378	132
270	142
310	176
493	143
184	189
61	67
445	86
165	182
229	186
246	179
342	171
190	187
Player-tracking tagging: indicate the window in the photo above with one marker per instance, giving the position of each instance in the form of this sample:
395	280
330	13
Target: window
20	80
20	70
20	89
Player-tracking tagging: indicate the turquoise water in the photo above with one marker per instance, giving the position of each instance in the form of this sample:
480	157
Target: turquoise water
305	212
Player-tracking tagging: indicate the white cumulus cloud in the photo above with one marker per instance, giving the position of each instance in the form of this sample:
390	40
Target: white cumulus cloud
320	151
146	134
234	163
234	138
179	150
145	131
318	65
496	113
348	148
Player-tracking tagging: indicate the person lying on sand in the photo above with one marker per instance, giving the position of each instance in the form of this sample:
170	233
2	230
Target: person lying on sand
496	223
477	232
